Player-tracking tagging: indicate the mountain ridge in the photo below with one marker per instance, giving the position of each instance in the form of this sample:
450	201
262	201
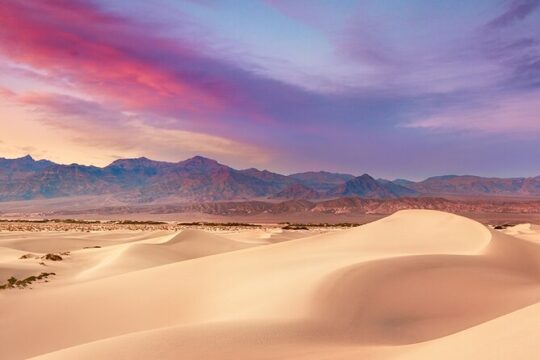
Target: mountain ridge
142	180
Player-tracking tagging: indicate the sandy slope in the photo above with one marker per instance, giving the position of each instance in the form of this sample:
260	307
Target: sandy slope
410	286
188	244
530	232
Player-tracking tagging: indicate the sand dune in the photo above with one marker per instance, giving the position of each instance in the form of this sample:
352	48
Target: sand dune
11	265
512	336
60	242
528	232
409	286
188	244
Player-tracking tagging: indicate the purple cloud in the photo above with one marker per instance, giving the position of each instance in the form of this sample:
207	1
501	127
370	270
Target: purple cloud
517	10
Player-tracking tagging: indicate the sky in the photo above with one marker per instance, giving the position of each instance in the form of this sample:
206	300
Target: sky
393	88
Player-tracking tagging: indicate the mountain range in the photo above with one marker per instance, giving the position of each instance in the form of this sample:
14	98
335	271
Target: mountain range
197	179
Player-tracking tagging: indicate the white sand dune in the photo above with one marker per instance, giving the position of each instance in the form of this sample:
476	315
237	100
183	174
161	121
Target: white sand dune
416	285
11	265
61	242
512	336
188	244
529	232
268	236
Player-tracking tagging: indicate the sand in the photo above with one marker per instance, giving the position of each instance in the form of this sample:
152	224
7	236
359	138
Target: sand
530	232
418	284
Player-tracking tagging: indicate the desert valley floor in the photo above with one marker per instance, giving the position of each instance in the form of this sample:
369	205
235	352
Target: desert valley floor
418	284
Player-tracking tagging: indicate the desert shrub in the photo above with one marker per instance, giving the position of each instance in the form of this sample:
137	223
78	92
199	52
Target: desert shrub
13	282
136	222
227	224
295	227
52	257
318	225
503	226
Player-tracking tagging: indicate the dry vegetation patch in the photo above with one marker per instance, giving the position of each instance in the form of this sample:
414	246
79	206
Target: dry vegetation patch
13	282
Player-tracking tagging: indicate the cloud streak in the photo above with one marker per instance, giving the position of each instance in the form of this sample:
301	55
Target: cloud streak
517	10
519	114
94	125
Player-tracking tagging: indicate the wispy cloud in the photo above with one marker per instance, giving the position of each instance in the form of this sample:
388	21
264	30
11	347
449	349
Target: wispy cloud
7	93
515	115
94	125
516	10
114	58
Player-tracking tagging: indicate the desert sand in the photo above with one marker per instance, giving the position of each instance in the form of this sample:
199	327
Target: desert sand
418	284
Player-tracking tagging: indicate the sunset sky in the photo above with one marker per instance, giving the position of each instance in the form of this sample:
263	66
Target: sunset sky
393	88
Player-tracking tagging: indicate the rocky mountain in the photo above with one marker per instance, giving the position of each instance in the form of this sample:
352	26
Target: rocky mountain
137	180
200	179
398	189
321	181
65	180
25	178
297	191
367	187
531	185
134	172
338	206
17	169
277	181
468	185
402	182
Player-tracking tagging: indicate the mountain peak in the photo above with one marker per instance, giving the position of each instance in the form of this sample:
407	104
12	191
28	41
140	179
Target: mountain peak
28	158
365	177
199	160
367	187
140	161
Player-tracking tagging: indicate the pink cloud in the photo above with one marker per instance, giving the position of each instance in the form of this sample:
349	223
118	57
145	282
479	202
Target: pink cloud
95	125
114	58
7	93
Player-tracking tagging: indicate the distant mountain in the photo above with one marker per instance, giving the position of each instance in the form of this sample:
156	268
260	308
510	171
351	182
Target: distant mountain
200	179
400	190
297	191
531	185
402	182
17	169
137	180
468	185
340	206
142	180
25	178
367	187
278	181
321	181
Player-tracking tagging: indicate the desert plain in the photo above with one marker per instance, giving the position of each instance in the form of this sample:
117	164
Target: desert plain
418	284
